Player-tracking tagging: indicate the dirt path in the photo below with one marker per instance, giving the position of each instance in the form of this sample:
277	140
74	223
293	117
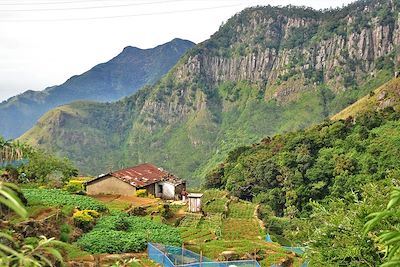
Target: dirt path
44	213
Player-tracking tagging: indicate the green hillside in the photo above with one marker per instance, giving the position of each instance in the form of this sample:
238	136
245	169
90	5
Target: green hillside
316	186
267	70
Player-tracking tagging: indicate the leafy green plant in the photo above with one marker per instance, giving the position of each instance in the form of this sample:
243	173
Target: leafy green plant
119	232
390	238
65	230
29	253
56	197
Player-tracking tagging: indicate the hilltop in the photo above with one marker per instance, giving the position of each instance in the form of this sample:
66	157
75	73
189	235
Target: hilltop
386	96
121	76
267	70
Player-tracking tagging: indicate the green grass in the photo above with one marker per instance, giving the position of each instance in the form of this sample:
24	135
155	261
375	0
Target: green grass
72	251
370	102
117	205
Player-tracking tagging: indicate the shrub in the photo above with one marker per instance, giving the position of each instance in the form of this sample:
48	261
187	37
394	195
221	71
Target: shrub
75	186
165	211
141	193
65	230
85	219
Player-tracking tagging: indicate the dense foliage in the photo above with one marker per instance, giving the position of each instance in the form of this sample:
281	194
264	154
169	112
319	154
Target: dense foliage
120	232
56	197
318	185
333	158
20	252
22	164
385	224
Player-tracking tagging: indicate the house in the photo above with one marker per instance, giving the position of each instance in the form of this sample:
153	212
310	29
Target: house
156	181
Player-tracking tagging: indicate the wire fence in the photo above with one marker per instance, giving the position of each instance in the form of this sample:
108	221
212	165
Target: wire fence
13	163
170	256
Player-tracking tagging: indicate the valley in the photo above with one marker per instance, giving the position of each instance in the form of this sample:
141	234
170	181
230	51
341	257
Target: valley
274	143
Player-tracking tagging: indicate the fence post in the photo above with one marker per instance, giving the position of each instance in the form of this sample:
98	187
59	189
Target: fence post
163	259
183	247
201	257
254	258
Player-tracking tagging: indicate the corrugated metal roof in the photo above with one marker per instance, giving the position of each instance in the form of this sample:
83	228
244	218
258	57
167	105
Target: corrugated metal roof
145	174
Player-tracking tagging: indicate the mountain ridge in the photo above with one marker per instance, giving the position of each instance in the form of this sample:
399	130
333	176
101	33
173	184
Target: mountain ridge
237	87
109	81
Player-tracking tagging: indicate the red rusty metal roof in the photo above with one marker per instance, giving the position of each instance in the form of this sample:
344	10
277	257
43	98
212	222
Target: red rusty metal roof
143	175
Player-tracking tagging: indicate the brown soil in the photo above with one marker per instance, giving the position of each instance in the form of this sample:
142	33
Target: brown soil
134	201
105	198
44	213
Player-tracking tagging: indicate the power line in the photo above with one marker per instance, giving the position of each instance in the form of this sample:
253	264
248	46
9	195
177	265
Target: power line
89	7
125	16
53	3
89	1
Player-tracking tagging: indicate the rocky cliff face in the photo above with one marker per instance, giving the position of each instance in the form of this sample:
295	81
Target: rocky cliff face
329	44
267	70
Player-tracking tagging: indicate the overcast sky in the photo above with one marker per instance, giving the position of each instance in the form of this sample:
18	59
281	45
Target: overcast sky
44	42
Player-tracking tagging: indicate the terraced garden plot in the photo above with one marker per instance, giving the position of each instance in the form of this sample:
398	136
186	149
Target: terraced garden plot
239	229
213	194
215	206
190	220
241	209
213	222
196	235
196	229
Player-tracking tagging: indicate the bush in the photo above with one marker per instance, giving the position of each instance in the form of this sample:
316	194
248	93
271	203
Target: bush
75	186
65	230
165	211
141	193
85	219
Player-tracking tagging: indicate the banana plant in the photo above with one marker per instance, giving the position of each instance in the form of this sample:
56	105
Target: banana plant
389	238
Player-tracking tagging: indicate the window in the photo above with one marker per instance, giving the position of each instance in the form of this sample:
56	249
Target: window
160	188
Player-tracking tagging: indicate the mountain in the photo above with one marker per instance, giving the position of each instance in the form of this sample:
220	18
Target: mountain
121	76
267	70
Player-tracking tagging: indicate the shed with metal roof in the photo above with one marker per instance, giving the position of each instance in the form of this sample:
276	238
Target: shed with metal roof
155	180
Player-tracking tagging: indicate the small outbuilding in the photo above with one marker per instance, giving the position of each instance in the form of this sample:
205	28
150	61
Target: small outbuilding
194	200
155	180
